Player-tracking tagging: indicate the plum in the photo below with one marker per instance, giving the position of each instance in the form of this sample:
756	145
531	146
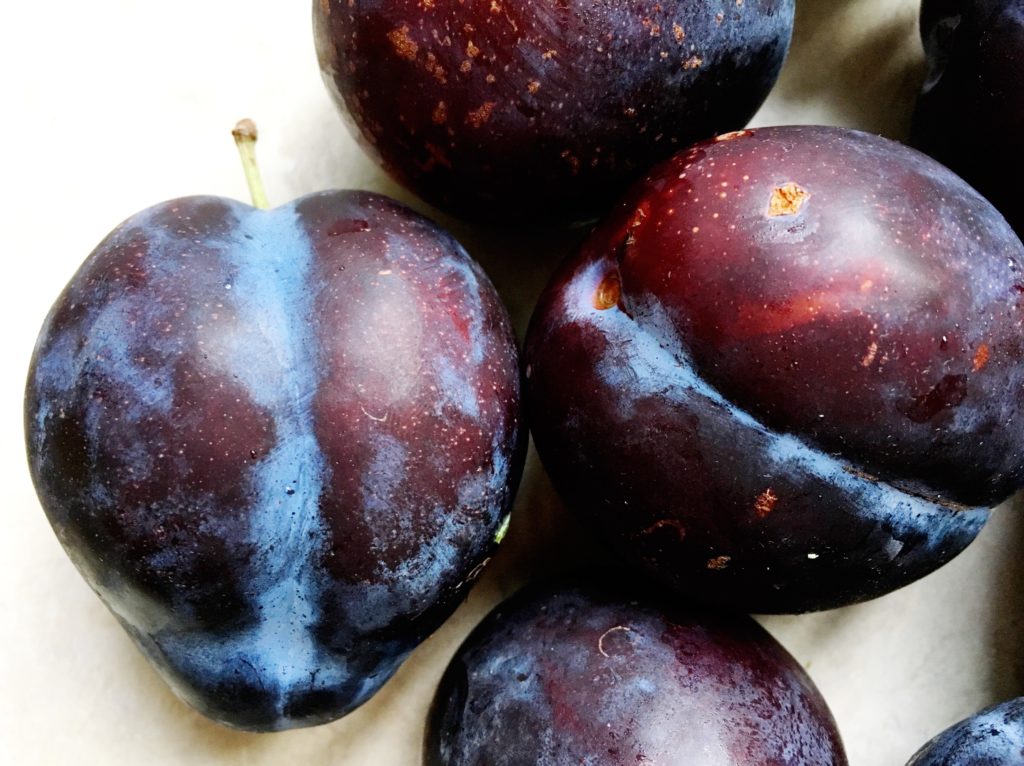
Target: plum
279	445
993	737
785	374
573	674
970	115
493	109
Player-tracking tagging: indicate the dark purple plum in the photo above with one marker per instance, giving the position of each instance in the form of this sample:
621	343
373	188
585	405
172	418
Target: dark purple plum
785	374
279	445
491	108
587	674
993	737
971	112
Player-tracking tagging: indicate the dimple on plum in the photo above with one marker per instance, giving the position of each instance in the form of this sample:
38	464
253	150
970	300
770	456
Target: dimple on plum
278	444
785	374
491	108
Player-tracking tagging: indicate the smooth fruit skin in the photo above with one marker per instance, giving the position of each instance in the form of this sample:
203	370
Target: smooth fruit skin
574	674
785	374
993	737
278	445
970	115
490	108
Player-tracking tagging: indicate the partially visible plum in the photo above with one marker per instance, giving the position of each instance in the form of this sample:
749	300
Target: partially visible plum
588	674
971	112
491	108
786	373
993	737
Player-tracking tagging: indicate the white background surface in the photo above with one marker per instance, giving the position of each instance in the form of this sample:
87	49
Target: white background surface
113	105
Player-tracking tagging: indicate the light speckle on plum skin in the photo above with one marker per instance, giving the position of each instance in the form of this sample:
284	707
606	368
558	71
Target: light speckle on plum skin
677	407
993	737
550	105
571	673
279	445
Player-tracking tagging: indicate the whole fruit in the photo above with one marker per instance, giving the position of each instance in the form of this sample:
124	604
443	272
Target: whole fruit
279	445
587	674
993	737
971	112
491	108
785	374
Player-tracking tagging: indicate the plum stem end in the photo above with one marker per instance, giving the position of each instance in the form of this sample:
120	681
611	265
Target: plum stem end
245	135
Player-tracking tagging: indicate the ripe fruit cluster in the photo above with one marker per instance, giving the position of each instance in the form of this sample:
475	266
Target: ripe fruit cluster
781	375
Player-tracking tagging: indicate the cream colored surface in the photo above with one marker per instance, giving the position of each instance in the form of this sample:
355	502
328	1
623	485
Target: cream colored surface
112	105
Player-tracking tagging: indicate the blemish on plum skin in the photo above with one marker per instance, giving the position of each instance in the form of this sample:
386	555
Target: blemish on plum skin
616	629
787	199
765	503
404	45
718	563
944	395
733	135
440	113
608	293
870	355
663	523
981	357
477	117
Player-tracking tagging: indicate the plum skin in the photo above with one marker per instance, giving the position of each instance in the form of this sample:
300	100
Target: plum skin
569	673
547	108
278	445
993	737
970	115
784	375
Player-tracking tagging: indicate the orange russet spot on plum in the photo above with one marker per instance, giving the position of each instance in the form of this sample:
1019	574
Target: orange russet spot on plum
533	86
869	356
440	115
765	503
787	199
719	562
481	114
678	33
404	45
732	136
694	62
673	524
981	357
549	54
608	292
471	50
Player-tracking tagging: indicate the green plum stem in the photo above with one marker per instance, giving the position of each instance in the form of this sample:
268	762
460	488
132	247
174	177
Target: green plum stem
245	135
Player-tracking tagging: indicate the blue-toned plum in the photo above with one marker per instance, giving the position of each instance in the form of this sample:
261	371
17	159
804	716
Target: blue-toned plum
970	114
785	374
576	674
491	108
278	444
993	737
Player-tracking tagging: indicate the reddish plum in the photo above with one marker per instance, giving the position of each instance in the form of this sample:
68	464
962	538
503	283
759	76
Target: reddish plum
786	373
572	675
490	108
